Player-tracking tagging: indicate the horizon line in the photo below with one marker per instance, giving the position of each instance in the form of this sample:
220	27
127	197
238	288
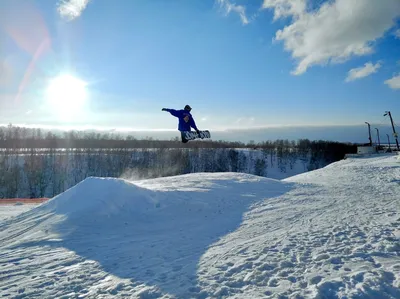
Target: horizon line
230	129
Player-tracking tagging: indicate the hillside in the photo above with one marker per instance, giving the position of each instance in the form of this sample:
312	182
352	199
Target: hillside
328	233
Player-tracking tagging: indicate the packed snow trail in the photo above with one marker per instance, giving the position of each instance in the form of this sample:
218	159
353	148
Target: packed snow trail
329	233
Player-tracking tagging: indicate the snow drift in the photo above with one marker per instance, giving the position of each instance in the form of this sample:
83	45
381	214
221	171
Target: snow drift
329	233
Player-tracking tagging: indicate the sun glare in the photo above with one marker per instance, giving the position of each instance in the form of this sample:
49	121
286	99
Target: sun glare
66	94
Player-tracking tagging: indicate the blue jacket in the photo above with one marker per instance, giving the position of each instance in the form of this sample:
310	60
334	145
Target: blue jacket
183	124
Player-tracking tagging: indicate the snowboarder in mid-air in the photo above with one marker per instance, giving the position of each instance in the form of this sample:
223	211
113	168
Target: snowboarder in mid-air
186	121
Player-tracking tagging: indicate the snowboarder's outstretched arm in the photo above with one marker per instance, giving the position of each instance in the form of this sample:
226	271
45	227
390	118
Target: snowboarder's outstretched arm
172	111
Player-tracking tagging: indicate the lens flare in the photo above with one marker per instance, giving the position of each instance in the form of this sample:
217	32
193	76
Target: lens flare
66	95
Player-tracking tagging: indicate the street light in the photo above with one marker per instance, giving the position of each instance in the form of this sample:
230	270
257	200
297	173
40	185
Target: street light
369	131
394	131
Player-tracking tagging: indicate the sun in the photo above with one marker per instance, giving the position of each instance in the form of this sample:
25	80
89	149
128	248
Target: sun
66	94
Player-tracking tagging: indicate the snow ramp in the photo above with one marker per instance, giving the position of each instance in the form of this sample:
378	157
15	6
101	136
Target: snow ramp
112	237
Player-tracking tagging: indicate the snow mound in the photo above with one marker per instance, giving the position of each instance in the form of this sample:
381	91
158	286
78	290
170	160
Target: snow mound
151	233
106	197
100	197
97	202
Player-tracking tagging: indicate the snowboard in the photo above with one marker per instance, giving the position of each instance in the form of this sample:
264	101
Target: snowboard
191	135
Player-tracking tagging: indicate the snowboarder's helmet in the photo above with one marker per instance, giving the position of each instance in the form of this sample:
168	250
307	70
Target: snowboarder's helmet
187	107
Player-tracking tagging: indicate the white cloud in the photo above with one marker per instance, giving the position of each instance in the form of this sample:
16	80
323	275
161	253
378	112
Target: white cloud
285	8
394	82
334	32
239	9
72	9
397	33
363	71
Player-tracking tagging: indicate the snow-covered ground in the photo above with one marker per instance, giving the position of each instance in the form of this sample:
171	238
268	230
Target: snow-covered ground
330	233
11	210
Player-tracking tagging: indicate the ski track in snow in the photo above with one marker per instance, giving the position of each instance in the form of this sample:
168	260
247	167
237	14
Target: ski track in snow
329	233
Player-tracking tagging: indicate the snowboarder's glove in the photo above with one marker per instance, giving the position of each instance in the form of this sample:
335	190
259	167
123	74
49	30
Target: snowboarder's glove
163	109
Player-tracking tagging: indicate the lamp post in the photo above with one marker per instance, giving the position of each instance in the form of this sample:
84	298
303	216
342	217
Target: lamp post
369	131
394	131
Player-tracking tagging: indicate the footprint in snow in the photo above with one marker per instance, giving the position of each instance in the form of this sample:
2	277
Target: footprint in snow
316	279
273	282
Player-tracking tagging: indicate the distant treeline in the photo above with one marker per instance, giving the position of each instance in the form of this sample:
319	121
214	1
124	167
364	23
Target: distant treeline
14	137
21	138
34	163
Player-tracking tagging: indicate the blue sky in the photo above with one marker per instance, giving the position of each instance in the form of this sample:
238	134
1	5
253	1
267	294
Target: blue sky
239	65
